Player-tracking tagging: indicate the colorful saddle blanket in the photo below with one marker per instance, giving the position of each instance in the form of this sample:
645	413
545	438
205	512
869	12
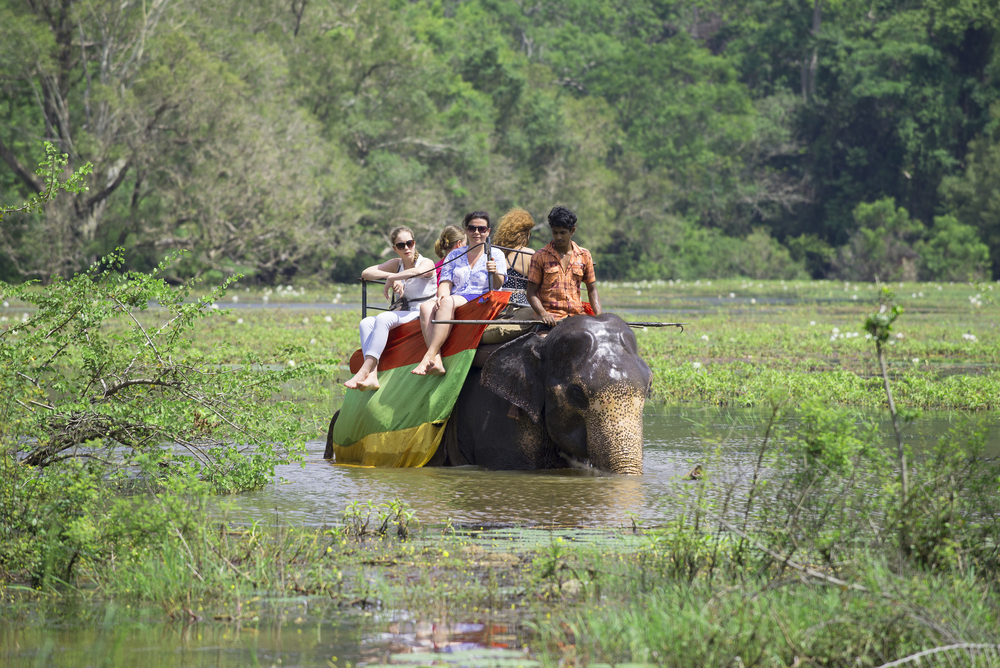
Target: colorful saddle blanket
401	423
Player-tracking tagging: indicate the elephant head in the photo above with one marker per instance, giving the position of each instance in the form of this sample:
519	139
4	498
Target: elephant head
584	384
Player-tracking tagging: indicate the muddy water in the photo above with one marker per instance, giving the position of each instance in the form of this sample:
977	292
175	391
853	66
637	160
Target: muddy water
675	440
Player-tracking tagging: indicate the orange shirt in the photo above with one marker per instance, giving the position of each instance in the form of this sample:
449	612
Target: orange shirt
558	290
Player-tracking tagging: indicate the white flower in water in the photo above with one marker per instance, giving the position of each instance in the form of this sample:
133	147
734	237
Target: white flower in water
920	294
266	299
914	295
812	322
760	285
214	306
753	301
940	288
291	362
899	335
854	296
784	287
328	319
696	365
732	295
704	337
710	282
235	299
312	342
638	292
6	304
239	321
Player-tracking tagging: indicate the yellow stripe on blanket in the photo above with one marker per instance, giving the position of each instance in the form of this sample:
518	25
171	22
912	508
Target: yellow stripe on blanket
402	448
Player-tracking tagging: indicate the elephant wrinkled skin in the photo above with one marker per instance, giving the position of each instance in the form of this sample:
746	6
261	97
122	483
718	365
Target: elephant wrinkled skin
580	392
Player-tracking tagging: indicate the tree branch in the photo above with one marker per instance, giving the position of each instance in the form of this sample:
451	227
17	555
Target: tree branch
30	179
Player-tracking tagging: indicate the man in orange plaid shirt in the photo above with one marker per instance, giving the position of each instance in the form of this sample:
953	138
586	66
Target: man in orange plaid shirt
556	271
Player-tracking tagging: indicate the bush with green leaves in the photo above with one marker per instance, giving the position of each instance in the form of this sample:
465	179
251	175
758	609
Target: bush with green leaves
953	252
104	368
882	246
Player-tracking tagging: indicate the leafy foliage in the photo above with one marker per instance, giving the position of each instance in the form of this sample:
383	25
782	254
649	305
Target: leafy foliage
278	141
105	370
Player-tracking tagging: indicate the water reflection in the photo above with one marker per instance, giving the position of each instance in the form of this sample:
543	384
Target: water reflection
676	439
290	632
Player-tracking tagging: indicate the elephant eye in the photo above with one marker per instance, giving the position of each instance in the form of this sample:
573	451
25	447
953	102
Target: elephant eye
577	396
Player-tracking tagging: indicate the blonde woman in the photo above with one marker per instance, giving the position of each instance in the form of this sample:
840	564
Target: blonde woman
450	239
411	277
514	232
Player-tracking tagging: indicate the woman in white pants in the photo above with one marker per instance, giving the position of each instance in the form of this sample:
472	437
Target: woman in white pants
411	276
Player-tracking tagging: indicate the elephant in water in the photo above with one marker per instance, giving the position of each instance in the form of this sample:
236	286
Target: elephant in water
572	398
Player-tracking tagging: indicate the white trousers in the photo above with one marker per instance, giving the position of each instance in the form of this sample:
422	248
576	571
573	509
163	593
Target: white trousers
375	330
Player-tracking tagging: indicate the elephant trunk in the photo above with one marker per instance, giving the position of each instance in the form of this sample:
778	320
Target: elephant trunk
614	429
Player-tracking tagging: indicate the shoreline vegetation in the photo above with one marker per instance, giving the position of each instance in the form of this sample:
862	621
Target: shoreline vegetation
830	551
742	338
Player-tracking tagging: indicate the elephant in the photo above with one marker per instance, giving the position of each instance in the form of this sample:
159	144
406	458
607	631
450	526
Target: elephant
573	398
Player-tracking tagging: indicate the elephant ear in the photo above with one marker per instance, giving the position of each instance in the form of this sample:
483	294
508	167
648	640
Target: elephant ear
514	372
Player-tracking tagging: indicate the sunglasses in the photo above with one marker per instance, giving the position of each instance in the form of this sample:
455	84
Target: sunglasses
478	229
400	245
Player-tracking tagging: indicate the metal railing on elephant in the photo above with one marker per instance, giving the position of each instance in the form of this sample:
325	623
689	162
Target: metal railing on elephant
364	283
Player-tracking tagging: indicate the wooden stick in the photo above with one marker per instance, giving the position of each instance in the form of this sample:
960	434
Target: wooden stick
539	322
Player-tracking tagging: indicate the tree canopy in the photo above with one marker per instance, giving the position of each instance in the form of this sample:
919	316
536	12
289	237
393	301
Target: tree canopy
765	138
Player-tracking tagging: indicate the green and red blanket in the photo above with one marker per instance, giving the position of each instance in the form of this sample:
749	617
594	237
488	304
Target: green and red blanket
401	423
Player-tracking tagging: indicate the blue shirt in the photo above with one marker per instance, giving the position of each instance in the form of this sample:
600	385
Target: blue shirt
470	281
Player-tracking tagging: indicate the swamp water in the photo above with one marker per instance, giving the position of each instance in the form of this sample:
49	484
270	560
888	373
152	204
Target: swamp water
724	440
310	631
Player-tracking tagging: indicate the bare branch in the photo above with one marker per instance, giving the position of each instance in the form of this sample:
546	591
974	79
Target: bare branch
29	178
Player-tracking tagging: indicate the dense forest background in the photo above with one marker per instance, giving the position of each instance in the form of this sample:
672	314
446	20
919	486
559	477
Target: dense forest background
762	138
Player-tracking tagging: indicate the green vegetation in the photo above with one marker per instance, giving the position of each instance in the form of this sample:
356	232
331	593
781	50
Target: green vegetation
694	139
136	403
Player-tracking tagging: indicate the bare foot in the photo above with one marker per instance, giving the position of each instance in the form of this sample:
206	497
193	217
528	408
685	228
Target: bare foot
369	384
421	369
353	383
436	367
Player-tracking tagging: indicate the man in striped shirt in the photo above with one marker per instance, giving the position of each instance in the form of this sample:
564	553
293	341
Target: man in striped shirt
556	271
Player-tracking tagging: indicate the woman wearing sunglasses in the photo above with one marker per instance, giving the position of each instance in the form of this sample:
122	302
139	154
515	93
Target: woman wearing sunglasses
463	278
411	277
